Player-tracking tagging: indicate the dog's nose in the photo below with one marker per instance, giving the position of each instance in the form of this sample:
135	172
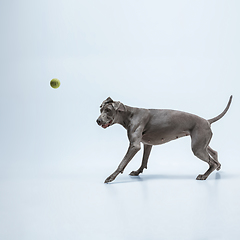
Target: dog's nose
98	121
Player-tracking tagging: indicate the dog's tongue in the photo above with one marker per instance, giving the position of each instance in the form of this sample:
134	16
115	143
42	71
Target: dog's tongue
107	124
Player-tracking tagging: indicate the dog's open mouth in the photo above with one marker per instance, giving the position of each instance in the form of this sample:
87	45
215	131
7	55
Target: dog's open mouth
107	124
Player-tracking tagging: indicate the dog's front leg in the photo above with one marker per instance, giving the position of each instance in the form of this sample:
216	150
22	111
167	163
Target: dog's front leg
134	147
132	150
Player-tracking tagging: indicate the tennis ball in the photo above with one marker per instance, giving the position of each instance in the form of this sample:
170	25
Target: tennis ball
54	83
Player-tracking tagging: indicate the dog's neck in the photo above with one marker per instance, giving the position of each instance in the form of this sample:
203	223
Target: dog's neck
123	117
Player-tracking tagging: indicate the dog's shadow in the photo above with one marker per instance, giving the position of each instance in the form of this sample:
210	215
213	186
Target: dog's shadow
151	177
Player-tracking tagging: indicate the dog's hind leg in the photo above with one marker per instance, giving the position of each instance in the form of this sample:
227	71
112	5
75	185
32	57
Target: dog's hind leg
200	140
214	155
146	153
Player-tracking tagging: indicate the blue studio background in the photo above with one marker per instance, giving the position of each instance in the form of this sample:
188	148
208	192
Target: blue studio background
54	158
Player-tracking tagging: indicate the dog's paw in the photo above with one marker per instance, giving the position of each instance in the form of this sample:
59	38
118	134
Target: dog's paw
134	173
201	177
110	179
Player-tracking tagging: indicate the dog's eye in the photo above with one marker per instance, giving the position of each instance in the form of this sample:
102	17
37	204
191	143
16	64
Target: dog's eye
108	110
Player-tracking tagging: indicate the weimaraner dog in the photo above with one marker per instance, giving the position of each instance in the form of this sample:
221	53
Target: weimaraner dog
158	126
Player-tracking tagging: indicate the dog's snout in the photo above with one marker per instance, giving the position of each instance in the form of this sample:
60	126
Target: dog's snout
98	121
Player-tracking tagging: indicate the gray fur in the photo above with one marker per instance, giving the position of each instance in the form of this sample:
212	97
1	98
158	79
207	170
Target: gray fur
159	126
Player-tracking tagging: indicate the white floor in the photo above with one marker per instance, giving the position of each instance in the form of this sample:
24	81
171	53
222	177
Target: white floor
166	202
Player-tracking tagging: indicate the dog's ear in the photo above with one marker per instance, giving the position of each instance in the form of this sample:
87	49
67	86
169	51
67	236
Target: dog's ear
108	100
118	106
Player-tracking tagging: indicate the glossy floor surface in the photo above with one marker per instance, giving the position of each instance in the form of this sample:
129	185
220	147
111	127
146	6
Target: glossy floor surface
166	202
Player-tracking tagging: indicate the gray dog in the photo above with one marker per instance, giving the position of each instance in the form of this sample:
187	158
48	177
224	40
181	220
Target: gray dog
158	126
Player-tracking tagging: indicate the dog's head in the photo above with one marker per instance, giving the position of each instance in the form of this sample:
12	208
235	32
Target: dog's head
109	110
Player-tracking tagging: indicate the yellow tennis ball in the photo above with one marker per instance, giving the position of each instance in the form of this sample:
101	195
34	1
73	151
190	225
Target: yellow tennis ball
55	83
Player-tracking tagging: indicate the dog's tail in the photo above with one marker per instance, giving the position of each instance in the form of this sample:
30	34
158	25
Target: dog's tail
223	113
